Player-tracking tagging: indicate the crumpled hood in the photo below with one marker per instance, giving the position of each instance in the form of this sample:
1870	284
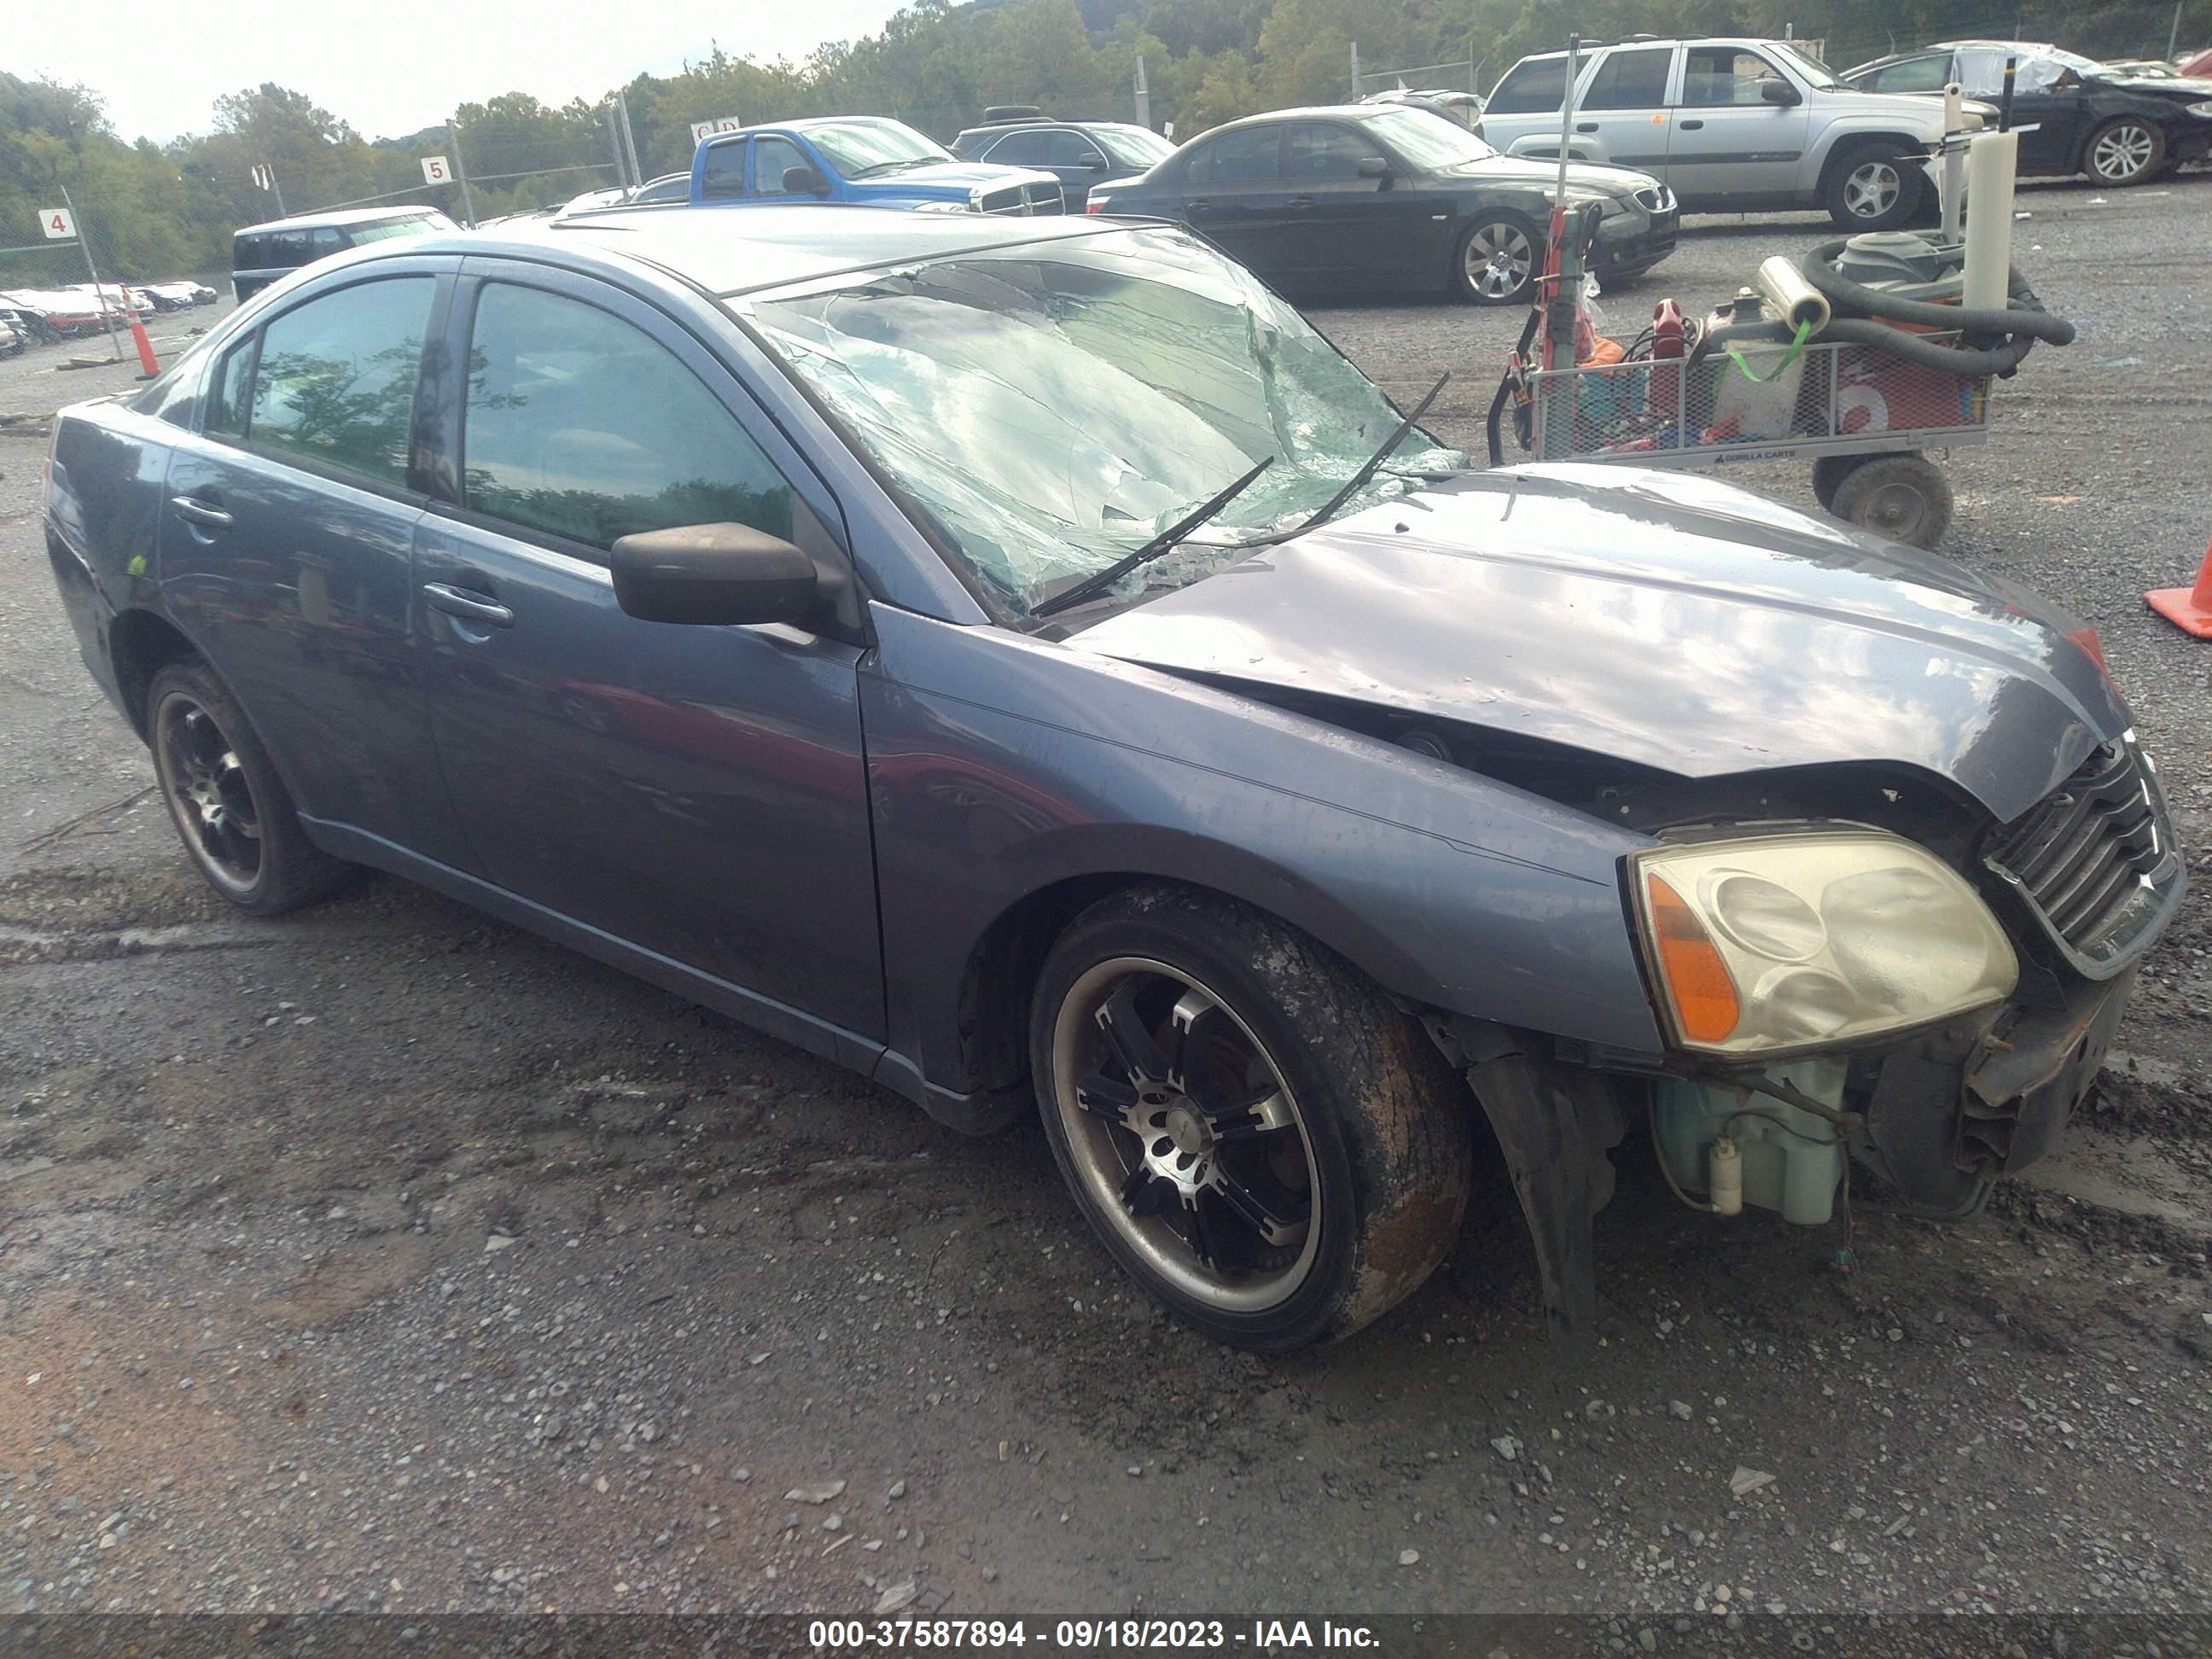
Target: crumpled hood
1660	618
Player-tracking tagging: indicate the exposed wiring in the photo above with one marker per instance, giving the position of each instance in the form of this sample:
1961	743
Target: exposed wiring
1781	1123
1666	1169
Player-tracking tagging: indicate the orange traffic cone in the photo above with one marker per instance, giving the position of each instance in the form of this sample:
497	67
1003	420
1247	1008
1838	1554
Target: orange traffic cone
2189	609
138	339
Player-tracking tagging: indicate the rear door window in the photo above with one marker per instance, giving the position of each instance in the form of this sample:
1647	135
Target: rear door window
1254	153
722	175
335	381
583	427
1630	80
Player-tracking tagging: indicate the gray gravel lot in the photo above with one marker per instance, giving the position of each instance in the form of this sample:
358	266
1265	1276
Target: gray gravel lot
383	1257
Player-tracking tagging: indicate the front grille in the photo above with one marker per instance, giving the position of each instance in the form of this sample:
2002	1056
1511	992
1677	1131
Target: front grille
1023	201
1043	198
1657	199
2095	860
1008	200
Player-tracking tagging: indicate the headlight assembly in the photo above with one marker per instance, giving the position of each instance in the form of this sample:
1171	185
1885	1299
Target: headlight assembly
2202	108
968	206
1794	941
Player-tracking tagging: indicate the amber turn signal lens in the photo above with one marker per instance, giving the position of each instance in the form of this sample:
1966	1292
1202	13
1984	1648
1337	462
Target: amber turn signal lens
1690	966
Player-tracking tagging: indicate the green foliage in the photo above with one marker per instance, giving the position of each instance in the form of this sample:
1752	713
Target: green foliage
153	211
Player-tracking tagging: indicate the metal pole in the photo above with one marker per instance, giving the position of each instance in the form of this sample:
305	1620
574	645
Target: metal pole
2173	35
1143	95
99	299
630	139
282	212
461	171
1355	71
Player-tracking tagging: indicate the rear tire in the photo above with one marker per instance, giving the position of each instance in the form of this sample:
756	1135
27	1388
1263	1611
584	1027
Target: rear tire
1905	497
1277	1153
230	809
1498	260
1873	187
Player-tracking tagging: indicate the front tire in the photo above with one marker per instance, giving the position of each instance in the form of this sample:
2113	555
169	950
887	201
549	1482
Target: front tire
1873	188
2125	151
1259	1137
230	808
1497	260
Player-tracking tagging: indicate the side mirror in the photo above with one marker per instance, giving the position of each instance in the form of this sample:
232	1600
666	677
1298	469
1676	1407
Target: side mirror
1374	166
1779	92
720	573
1096	164
804	180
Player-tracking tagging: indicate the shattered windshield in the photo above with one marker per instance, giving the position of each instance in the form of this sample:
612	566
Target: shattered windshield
1055	405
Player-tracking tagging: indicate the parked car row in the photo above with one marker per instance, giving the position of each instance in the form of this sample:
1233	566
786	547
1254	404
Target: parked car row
41	316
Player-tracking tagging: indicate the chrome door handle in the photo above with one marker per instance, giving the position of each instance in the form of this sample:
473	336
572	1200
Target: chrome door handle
1301	201
200	513
1197	205
474	607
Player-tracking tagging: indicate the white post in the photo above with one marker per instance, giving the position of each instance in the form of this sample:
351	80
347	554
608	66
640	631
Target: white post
1144	96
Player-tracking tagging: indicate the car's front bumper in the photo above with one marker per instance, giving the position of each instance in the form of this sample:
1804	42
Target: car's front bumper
1635	246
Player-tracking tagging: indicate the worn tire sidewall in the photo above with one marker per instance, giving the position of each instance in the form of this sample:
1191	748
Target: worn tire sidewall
1217	943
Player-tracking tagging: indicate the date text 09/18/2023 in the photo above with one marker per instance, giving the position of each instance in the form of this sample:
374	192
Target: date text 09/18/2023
1088	1635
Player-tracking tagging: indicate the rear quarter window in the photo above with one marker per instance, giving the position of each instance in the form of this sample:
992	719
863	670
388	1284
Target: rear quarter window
1530	88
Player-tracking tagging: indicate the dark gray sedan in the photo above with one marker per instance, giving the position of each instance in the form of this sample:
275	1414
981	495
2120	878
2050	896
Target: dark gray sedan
1024	662
1389	199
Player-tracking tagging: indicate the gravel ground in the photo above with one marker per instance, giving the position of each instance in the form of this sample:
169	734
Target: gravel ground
383	1257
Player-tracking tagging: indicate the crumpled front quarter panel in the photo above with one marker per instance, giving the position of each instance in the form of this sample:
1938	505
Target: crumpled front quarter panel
1001	765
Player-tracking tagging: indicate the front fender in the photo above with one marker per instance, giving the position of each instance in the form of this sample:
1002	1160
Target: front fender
999	766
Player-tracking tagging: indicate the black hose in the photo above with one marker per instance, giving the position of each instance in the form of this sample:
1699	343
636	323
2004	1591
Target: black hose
1968	363
2025	315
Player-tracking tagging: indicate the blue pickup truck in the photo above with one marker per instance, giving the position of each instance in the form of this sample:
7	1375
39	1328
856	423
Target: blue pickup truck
865	159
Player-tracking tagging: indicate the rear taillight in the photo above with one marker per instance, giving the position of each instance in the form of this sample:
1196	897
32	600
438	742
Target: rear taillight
1094	207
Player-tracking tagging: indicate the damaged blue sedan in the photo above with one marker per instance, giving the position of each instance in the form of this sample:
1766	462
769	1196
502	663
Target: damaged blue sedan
1023	661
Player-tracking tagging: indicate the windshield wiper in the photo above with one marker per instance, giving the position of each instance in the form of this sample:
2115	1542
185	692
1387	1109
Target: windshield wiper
1091	586
1359	480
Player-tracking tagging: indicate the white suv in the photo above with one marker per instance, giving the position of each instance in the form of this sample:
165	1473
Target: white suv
1732	125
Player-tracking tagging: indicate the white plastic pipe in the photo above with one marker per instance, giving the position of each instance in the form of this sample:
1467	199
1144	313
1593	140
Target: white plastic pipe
1989	168
1953	183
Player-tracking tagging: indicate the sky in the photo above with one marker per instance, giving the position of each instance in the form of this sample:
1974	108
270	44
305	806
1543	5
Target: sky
394	67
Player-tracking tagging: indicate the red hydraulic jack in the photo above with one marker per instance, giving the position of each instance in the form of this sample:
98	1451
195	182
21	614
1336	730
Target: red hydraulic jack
2189	609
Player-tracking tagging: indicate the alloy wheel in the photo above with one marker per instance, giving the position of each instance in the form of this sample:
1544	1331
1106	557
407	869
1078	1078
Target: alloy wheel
2122	151
1499	256
1185	1135
1872	189
208	794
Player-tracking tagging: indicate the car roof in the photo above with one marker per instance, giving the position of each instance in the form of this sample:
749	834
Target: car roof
340	216
731	250
1590	47
1308	113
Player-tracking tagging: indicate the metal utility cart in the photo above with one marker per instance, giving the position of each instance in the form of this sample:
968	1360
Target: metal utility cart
1863	415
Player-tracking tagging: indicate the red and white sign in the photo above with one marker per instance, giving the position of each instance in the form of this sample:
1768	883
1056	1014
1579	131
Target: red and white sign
435	172
58	223
704	129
